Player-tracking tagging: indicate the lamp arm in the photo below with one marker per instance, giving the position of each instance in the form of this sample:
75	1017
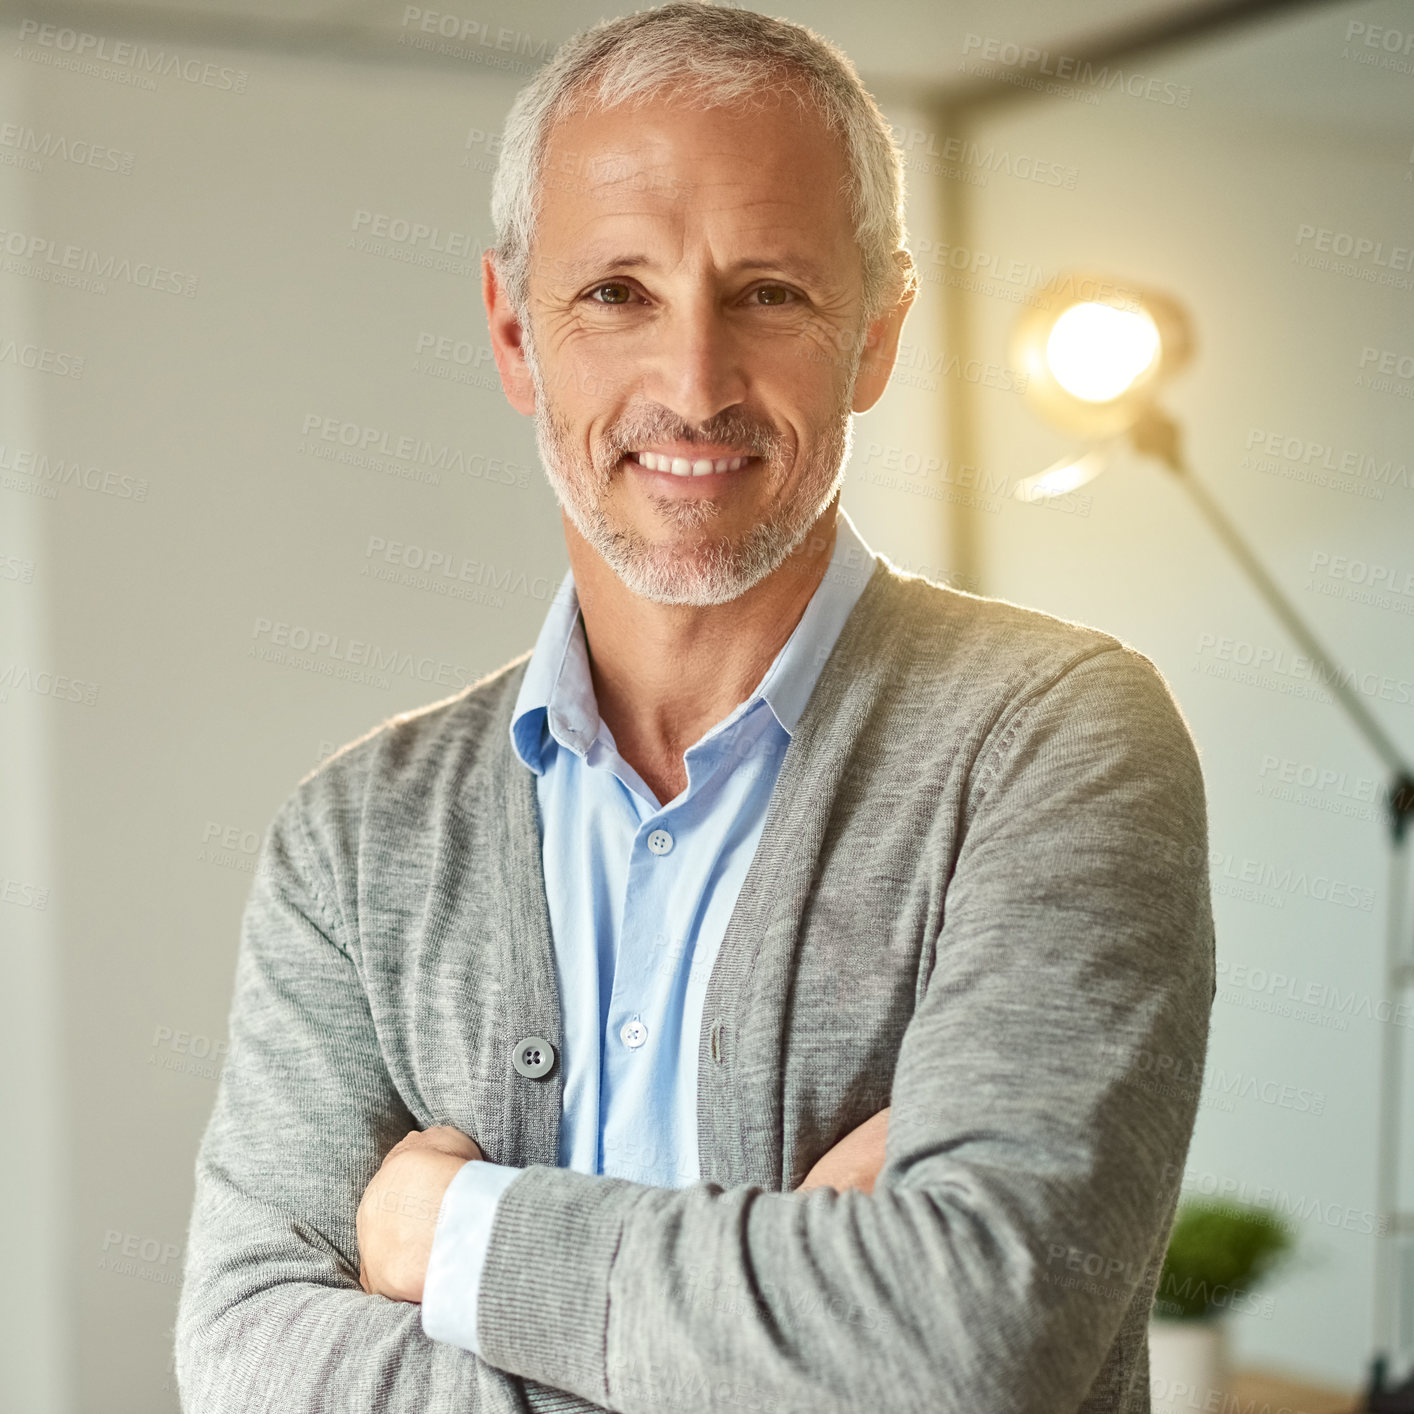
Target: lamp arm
1156	434
1279	604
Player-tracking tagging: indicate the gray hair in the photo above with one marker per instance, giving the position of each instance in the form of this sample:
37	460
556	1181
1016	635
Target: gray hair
718	56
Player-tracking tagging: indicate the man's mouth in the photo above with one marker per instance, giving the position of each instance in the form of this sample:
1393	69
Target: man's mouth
688	466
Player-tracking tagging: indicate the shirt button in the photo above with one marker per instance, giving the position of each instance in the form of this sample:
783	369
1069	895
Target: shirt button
633	1033
660	841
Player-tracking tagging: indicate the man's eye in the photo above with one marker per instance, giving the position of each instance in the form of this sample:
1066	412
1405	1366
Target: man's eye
611	294
773	294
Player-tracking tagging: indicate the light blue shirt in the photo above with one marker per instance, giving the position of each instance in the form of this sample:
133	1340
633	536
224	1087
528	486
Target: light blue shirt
639	895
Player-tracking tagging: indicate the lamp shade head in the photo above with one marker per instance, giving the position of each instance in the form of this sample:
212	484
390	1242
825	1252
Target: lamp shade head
1095	351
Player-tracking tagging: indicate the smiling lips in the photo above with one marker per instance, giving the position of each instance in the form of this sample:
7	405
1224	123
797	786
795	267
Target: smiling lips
682	466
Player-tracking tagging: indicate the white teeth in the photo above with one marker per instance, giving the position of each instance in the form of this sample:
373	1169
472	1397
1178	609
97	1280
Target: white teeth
681	466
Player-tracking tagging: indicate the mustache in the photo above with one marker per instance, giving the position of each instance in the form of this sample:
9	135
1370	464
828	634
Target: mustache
654	423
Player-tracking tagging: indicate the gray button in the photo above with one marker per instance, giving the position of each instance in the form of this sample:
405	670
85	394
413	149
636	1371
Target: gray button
533	1056
660	841
633	1033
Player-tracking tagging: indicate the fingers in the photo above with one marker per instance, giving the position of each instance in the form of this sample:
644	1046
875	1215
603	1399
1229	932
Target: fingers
452	1141
445	1138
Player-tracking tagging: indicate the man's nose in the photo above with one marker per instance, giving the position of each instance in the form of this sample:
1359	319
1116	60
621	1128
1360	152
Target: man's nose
699	363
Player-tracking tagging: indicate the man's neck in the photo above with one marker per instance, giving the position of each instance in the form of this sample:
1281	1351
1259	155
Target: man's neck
665	674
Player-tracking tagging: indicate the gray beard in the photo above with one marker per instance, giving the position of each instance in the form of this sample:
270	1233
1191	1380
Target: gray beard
715	571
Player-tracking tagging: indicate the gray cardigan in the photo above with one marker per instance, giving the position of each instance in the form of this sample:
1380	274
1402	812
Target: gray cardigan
981	896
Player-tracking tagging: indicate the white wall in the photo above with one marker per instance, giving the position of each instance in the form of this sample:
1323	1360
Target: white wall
202	517
34	1182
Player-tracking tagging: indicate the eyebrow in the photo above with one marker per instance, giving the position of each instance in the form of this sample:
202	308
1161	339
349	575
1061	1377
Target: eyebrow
791	266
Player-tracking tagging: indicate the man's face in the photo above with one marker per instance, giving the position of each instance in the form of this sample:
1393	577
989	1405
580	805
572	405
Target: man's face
694	305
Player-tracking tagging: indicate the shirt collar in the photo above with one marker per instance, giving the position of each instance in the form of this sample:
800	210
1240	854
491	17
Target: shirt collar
556	698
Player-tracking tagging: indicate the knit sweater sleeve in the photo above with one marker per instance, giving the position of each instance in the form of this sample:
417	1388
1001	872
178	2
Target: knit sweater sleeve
1032	1160
271	1316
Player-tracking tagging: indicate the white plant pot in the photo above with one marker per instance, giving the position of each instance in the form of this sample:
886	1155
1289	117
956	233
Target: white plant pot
1188	1365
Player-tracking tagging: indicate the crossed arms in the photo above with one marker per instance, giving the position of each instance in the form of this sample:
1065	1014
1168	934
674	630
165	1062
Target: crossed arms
397	1215
1077	947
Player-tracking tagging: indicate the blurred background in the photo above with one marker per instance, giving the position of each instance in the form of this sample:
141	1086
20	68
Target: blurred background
246	399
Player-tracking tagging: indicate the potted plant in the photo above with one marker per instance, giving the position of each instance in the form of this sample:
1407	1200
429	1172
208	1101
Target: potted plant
1218	1252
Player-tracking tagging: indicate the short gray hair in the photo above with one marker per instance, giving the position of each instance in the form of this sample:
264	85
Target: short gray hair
718	56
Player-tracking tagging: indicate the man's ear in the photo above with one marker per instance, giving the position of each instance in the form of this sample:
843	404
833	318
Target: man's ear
507	339
881	346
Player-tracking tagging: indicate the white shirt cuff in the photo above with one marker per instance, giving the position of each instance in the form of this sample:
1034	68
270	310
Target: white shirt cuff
459	1251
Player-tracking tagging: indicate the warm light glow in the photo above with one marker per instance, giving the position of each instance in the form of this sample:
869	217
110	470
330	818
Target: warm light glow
1096	351
1065	475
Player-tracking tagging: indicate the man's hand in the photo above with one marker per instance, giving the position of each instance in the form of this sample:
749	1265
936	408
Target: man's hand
397	1216
855	1161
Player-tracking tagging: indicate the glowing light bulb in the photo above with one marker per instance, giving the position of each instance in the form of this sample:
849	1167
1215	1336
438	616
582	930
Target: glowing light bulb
1096	351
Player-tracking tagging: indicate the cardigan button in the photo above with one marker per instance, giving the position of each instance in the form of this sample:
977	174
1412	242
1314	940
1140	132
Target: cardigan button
533	1056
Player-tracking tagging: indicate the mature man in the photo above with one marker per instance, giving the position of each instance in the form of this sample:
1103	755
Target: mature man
751	997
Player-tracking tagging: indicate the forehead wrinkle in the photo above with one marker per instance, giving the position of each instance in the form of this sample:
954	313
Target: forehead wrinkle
620	161
707	199
605	256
